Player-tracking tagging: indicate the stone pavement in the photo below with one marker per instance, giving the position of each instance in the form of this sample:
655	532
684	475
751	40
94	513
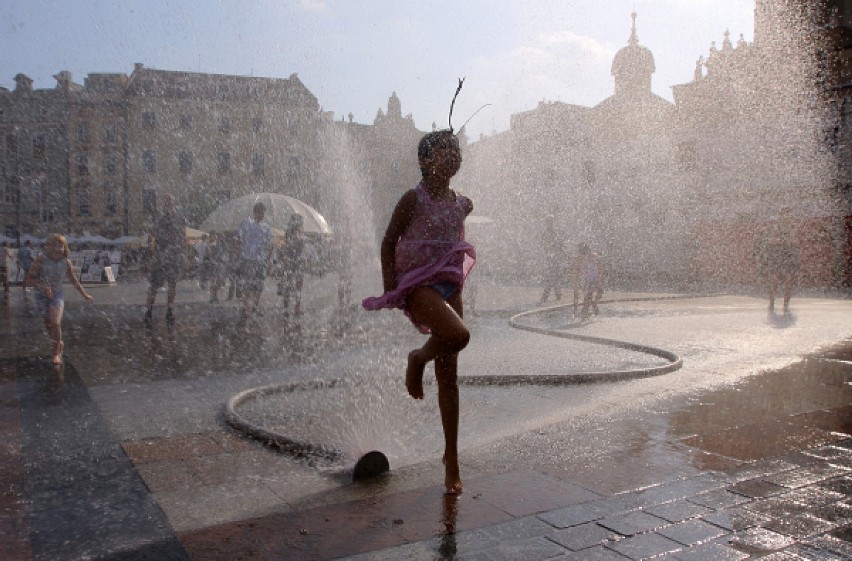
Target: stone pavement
759	469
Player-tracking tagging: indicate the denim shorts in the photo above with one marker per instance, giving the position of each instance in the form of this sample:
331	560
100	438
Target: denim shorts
446	289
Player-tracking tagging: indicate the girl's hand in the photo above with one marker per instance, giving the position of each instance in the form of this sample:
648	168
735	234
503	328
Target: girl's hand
47	291
88	296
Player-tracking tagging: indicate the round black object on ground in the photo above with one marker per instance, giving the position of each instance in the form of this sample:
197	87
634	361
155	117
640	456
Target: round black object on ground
370	465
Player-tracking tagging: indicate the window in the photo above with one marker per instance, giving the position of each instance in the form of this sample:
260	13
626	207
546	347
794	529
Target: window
149	120
257	164
395	168
185	162
110	132
48	214
82	132
110	164
13	191
39	146
185	122
11	148
83	202
110	199
82	164
295	165
149	161
256	124
149	201
224	162
224	124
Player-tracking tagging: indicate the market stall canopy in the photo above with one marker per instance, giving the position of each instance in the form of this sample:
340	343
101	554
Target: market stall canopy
92	238
130	240
279	208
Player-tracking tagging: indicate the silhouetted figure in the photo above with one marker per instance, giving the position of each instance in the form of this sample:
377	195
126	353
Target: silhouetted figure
588	277
167	244
292	266
777	256
255	257
425	261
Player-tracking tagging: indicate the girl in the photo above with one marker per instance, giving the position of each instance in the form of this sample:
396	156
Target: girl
47	274
425	261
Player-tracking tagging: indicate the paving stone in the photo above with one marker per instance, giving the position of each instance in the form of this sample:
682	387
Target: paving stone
839	513
838	541
522	550
585	512
720	498
759	540
757	488
691	532
677	490
812	495
598	553
527	492
776	507
736	518
709	552
677	511
643	546
781	556
762	468
807	475
633	523
583	536
799	525
841	485
521	528
835	455
810	553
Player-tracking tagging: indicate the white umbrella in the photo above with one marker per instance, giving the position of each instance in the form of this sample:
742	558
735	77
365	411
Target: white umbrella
279	208
94	238
130	240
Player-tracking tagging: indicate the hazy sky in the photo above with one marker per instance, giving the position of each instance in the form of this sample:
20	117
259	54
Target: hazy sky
352	55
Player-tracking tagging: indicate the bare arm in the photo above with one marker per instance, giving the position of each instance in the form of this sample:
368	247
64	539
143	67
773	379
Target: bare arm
76	282
400	219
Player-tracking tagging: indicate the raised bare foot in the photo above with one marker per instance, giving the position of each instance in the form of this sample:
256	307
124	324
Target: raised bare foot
452	477
414	375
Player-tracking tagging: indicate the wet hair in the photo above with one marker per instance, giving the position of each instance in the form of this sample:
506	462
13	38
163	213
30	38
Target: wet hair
60	239
259	207
436	139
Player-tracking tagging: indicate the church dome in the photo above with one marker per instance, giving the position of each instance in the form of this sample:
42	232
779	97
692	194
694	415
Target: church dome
633	65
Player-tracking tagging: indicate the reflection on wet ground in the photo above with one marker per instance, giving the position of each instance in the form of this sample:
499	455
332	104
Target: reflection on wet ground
126	443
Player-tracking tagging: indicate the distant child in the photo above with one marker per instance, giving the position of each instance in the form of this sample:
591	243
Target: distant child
588	280
425	261
47	274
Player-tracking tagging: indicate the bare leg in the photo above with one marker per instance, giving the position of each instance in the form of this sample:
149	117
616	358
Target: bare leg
171	292
54	322
449	336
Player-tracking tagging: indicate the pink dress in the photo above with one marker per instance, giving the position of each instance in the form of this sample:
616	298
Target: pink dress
432	250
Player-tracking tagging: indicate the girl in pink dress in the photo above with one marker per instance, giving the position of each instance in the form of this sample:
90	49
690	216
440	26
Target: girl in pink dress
425	261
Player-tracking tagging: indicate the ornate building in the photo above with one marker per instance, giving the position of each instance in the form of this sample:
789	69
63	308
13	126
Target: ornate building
96	157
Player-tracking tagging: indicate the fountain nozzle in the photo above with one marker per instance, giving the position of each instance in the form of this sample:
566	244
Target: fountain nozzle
370	465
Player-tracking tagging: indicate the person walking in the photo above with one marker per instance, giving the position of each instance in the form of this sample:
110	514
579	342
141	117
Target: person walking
167	243
255	238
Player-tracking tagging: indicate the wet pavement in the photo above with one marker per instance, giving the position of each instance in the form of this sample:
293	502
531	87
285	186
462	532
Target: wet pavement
123	453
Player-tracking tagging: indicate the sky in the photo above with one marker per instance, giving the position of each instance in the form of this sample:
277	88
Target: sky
352	55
